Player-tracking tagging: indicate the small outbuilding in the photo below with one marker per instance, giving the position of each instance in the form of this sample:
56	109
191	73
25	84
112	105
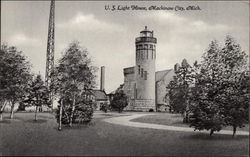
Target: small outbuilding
99	98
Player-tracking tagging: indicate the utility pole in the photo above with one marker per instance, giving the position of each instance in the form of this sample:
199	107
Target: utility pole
50	51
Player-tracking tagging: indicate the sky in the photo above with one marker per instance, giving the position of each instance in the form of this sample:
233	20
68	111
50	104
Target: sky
109	36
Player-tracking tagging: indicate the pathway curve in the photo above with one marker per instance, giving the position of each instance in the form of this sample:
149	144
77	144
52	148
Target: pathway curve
126	120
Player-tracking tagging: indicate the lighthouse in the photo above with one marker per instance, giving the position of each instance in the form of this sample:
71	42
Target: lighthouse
145	71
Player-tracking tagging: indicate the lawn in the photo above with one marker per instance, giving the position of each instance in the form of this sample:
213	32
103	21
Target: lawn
174	120
22	136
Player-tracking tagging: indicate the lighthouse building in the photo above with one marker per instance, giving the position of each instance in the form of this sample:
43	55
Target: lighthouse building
145	88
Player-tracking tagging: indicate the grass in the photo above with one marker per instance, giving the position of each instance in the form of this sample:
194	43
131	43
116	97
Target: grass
174	120
24	137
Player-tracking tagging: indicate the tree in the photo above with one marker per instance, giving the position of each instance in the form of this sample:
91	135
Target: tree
3	70
220	95
176	96
235	89
179	89
119	101
207	110
37	94
14	77
74	76
3	103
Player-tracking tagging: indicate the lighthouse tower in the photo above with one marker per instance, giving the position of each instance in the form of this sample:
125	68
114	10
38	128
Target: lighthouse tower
145	71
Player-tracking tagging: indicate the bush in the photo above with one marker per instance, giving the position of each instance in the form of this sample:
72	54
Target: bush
83	112
21	107
104	107
119	101
151	110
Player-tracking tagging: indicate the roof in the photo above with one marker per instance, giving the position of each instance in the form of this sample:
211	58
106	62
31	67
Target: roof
99	95
129	70
159	75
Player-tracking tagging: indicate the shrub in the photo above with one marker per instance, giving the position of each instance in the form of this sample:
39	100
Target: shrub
151	110
119	101
83	112
104	107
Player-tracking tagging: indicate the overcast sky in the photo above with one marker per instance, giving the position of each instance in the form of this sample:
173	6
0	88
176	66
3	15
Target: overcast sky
109	36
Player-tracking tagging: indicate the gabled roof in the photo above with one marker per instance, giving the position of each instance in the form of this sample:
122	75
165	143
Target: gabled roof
99	95
159	75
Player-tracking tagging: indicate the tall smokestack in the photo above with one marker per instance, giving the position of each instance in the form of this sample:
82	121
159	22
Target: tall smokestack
102	87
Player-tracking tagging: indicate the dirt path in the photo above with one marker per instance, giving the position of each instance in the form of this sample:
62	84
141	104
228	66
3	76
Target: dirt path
126	121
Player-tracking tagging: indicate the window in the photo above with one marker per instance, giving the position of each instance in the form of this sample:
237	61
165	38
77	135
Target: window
138	69
135	93
145	75
141	72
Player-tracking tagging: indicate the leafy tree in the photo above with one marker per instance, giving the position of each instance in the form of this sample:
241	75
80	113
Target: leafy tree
179	89
235	86
37	94
176	96
74	76
14	76
3	103
220	95
119	101
207	111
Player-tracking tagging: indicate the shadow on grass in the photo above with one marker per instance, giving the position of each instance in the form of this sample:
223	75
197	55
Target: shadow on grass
206	136
76	126
15	119
8	120
180	123
39	121
106	115
176	115
47	117
5	121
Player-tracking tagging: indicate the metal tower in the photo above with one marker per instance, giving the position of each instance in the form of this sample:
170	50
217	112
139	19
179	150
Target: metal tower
50	51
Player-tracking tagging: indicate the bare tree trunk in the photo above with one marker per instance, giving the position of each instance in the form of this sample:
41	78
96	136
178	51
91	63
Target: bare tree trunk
185	116
36	113
12	110
60	116
234	130
72	112
187	111
2	109
211	132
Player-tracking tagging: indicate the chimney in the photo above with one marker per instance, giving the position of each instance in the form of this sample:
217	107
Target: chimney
102	87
